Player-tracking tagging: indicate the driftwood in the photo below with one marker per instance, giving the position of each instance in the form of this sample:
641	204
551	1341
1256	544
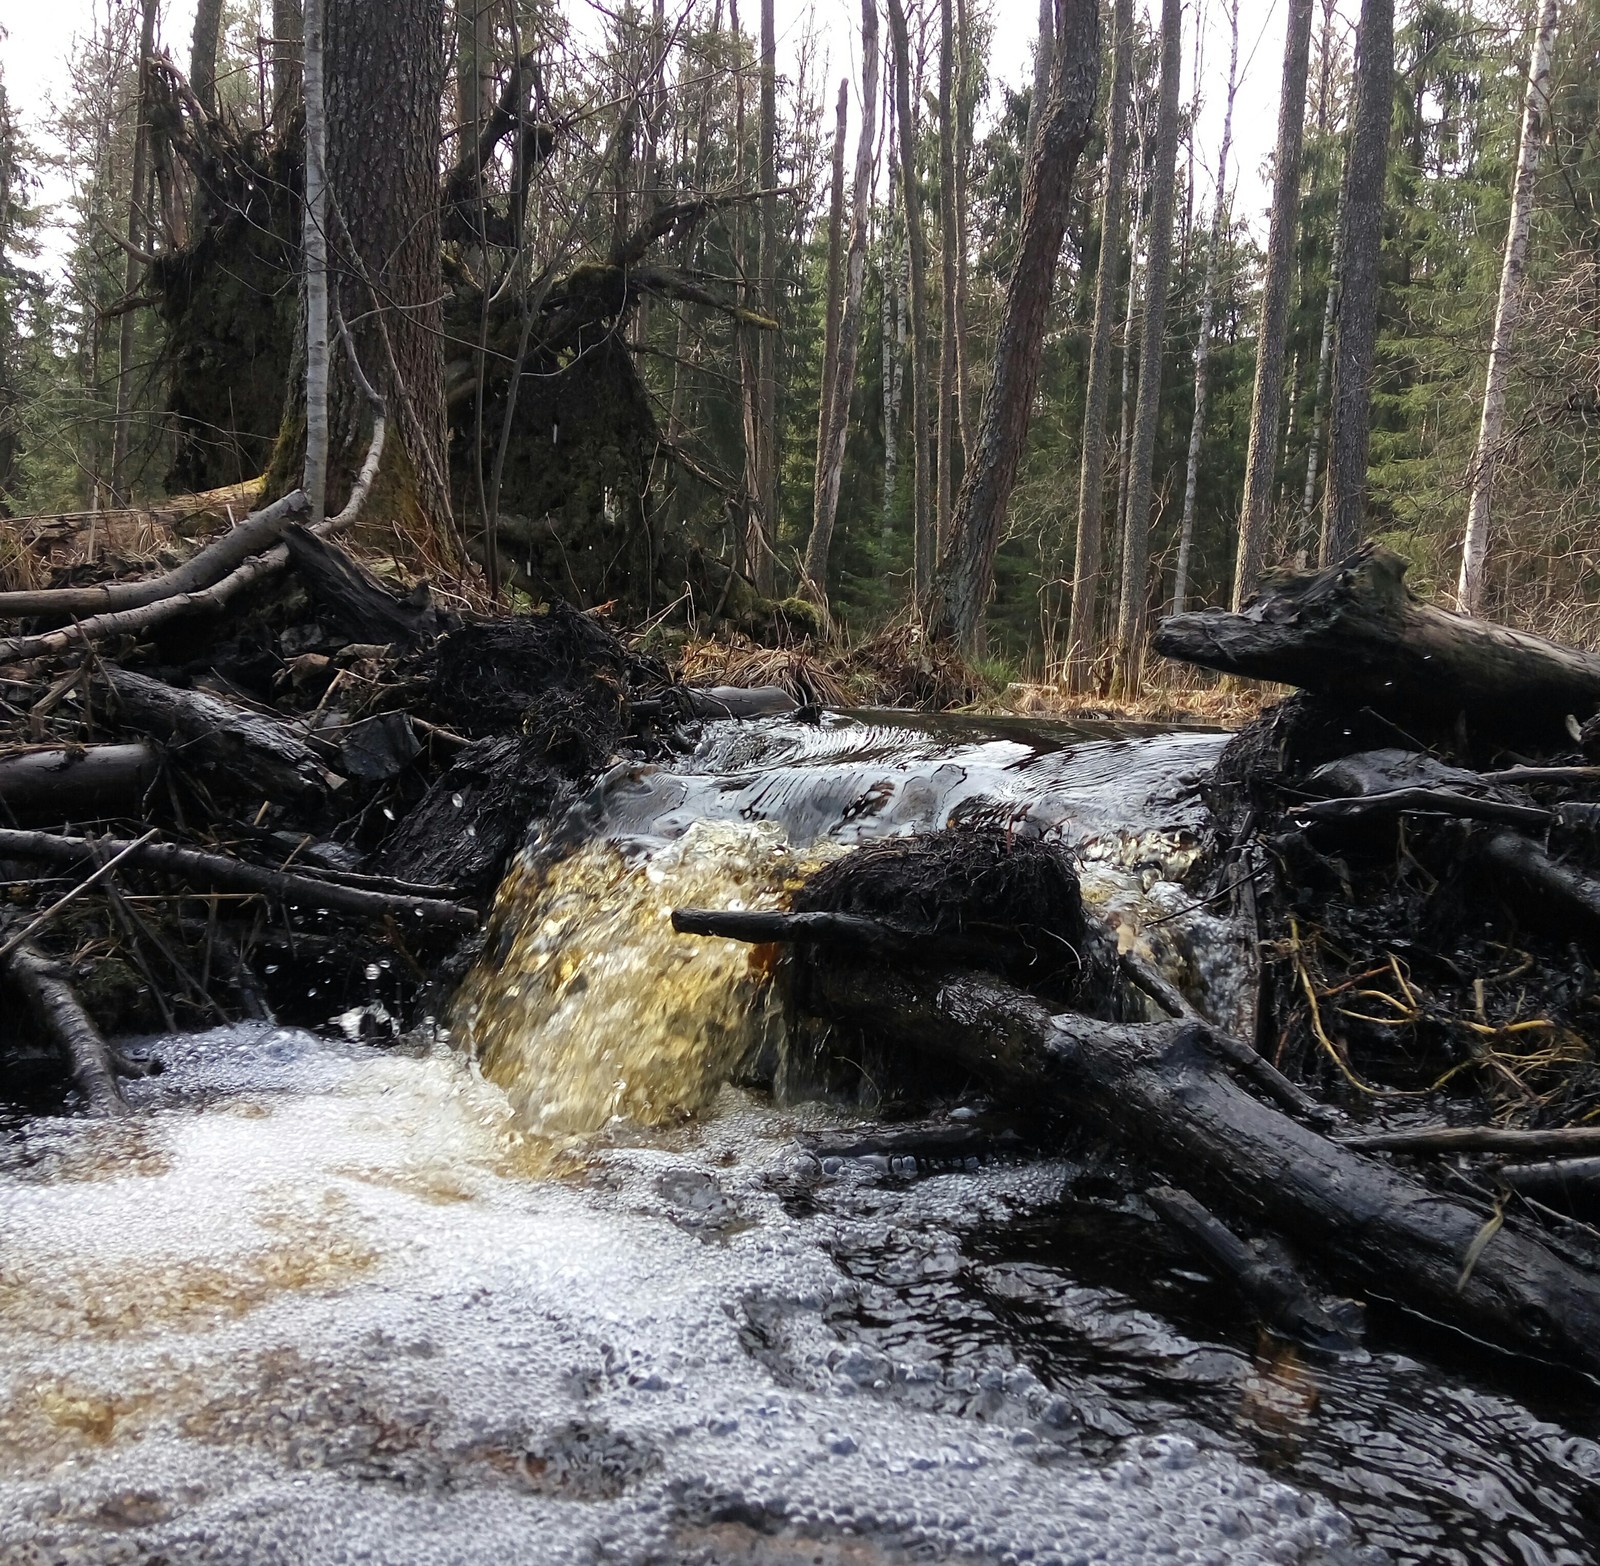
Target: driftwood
64	781
1353	632
1267	1279
253	748
62	1018
1568	1142
218	872
1156	1086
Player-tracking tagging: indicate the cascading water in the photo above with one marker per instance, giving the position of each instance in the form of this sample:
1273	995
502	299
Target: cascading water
320	1302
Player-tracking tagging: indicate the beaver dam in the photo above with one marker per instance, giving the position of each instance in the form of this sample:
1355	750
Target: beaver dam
476	1099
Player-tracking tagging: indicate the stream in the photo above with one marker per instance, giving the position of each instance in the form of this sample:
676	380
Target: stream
570	1285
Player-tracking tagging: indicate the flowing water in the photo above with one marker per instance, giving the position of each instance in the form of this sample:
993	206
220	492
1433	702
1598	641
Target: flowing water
556	1293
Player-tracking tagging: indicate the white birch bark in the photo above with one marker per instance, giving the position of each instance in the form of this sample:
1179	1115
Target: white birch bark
1475	547
1208	307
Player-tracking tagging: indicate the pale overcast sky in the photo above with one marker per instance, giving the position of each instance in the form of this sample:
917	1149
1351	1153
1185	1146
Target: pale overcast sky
40	38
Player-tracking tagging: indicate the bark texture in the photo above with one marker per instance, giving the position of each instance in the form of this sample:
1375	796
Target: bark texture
948	407
203	53
385	76
924	551
831	457
1344	506
288	34
765	565
1261	460
1475	547
1097	392
834	307
1208	306
1147	412
968	570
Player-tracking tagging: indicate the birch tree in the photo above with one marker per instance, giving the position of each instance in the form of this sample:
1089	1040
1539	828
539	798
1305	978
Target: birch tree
1147	412
1208	305
1097	392
1475	547
1272	332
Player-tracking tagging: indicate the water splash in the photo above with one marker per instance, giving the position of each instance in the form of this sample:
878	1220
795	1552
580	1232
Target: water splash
591	1008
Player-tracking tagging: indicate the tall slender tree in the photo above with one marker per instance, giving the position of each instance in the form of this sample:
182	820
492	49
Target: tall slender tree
948	408
1536	104
288	28
830	457
1129	650
1208	303
1097	391
925	553
1356	332
203	53
967	572
138	212
893	355
764	565
314	248
833	308
1272	332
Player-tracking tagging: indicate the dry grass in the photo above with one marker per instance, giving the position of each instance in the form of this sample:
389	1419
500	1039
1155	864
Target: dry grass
1228	705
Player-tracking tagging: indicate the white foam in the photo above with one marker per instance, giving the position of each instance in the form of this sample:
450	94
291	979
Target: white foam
311	1308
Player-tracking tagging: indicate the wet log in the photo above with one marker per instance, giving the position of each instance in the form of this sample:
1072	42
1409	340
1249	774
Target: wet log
1156	1087
1562	1142
1287	1304
248	749
1354	633
61	1017
1432	801
735	701
355	599
1568	1184
67	781
825	927
219	873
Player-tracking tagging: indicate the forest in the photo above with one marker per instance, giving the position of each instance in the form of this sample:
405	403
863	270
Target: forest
729	273
807	785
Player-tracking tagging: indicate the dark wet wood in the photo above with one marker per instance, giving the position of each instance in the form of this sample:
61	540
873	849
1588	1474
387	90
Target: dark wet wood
61	1017
1561	1142
1352	631
63	782
1157	1088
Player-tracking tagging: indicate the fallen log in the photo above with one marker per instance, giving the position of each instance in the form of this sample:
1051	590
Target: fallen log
203	569
62	1018
247	747
1285	1301
73	780
737	701
1353	632
1435	801
1155	1087
361	605
1570	1182
1562	1142
220	873
762	926
1544	889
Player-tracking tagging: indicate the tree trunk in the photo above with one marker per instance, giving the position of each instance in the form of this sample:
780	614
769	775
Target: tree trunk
968	569
1043	53
314	245
288	34
137	207
834	309
966	91
1092	471
1319	398
385	73
203	53
1271	335
1208	305
894	333
925	554
1343	517
832	461
947	272
1147	413
766	577
1475	547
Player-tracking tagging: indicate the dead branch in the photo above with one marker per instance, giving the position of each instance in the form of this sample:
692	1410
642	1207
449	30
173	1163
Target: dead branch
62	1017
